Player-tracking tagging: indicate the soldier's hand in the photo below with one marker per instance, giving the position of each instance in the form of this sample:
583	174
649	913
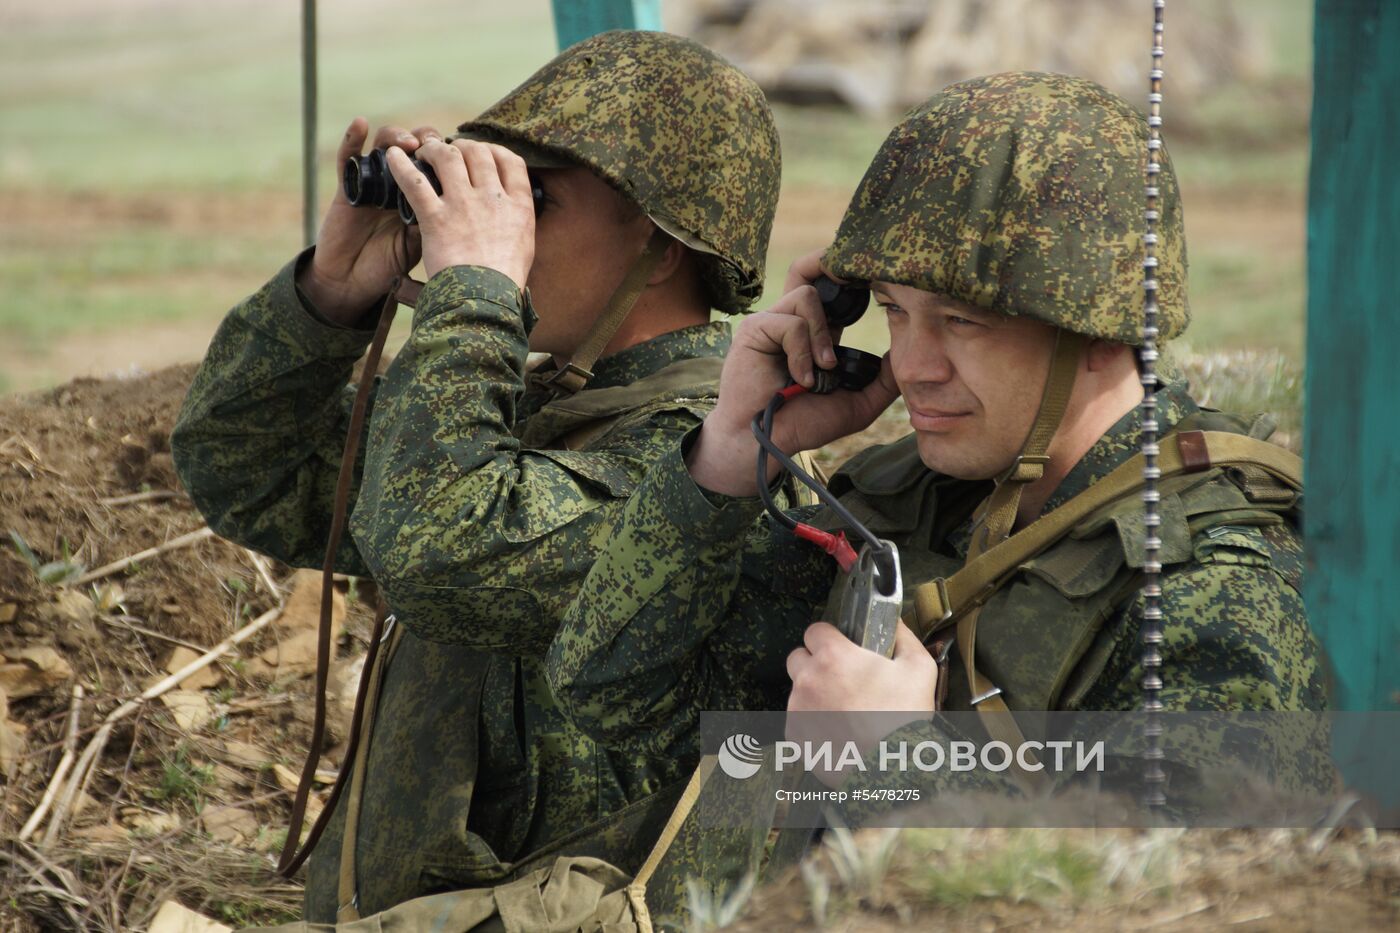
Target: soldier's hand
485	215
805	270
847	693
359	250
790	339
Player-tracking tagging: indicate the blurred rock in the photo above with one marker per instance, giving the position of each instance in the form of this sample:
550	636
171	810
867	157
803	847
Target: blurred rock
233	825
208	677
36	669
883	56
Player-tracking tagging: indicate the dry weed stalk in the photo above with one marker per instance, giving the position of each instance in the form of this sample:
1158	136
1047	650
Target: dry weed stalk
83	773
117	566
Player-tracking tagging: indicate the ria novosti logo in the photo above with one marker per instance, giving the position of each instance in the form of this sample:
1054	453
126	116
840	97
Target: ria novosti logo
740	756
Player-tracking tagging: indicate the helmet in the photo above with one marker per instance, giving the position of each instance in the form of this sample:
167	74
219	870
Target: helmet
674	127
1021	193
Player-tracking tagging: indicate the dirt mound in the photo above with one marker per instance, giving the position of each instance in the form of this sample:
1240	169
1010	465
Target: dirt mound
198	777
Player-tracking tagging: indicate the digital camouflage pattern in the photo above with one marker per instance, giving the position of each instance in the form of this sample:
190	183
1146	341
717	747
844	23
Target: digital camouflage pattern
699	598
674	127
478	532
1022	193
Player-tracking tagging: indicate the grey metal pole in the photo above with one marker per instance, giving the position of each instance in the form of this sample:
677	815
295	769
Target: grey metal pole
308	122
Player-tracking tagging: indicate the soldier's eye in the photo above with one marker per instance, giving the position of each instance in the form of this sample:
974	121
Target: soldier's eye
539	194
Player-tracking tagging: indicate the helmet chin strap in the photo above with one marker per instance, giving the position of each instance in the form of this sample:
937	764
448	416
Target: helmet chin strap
997	515
994	522
574	375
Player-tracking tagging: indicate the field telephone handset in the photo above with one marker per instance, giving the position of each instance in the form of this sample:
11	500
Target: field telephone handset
866	602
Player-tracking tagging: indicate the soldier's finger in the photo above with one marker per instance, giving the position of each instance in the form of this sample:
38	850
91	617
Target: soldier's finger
425	133
387	136
481	165
907	646
785	334
823	636
514	175
413	183
791	335
447	165
808	306
351	145
797	661
804	270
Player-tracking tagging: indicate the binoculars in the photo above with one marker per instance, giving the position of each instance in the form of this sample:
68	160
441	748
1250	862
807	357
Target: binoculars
369	183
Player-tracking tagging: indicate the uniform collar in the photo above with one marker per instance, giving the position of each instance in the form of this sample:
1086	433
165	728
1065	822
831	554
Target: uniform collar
1121	442
643	359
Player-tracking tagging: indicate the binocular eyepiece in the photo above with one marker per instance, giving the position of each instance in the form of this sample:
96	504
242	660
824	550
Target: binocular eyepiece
369	183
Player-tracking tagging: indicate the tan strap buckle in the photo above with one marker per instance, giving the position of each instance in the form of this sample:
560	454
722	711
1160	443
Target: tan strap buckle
944	604
1026	468
986	695
568	379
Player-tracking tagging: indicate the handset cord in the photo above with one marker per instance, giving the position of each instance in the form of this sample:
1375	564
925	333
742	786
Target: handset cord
834	544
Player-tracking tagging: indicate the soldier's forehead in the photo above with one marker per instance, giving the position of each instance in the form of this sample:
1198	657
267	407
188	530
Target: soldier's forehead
928	298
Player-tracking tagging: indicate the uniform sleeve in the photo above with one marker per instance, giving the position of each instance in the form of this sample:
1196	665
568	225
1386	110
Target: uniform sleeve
260	436
693	606
476	539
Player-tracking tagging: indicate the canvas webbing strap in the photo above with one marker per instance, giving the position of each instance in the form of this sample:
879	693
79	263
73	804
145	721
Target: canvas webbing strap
636	891
996	519
404	290
998	515
940	601
574	375
366	705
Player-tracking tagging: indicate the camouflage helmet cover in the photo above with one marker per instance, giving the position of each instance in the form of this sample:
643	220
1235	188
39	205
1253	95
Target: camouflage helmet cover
1021	193
673	126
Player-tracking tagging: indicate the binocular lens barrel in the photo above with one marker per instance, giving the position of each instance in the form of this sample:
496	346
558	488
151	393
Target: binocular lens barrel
369	183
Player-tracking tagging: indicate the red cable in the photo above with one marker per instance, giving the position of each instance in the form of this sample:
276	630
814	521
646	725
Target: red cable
834	544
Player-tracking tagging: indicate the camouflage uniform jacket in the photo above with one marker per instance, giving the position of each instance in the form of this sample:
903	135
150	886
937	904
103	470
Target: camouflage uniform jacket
478	534
696	604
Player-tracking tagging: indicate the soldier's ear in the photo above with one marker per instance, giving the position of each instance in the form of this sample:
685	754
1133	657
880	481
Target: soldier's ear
671	262
1106	355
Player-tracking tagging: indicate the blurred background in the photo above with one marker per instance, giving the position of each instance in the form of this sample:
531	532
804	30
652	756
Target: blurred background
150	150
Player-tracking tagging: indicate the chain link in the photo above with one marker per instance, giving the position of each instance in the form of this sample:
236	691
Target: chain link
1154	778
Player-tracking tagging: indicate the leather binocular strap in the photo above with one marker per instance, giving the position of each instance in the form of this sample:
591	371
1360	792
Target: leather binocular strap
403	291
574	375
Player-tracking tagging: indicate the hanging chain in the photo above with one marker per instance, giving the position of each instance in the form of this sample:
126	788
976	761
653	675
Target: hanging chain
1154	778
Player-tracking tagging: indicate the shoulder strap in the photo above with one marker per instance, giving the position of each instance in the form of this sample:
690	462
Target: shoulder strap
636	891
940	601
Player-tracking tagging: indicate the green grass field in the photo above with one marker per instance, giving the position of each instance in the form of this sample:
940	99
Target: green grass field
150	169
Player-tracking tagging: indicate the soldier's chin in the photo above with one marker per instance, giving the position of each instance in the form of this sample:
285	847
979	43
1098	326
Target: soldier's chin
948	457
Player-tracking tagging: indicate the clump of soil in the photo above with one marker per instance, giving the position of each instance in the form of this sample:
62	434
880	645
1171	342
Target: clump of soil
87	478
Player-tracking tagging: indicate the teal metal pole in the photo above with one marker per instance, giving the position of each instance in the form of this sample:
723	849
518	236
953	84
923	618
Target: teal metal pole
1352	515
575	20
1352	511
